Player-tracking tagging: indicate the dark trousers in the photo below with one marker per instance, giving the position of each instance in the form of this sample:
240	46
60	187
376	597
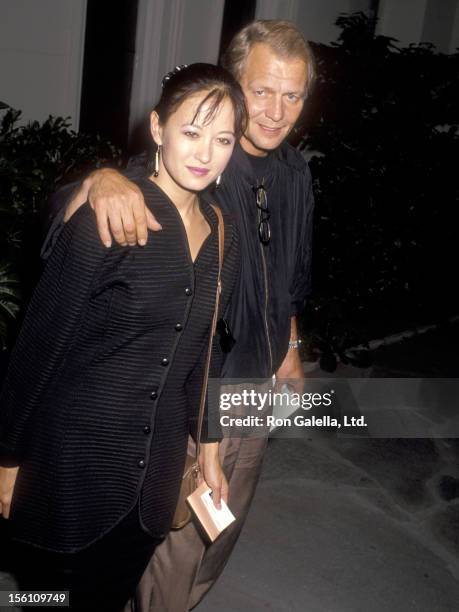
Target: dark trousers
101	577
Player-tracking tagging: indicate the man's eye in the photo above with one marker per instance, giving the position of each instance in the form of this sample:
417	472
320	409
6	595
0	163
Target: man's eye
293	97
259	92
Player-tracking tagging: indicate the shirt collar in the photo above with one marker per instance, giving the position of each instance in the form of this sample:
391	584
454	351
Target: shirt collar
241	161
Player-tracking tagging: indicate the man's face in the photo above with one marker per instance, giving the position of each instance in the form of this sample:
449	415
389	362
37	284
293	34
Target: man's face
274	88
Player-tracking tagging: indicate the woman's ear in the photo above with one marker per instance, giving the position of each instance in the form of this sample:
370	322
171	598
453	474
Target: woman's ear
155	128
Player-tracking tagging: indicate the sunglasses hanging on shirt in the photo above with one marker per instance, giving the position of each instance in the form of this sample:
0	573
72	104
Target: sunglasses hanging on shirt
264	229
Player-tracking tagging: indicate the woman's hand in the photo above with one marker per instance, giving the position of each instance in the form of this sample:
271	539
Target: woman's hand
7	481
211	470
119	207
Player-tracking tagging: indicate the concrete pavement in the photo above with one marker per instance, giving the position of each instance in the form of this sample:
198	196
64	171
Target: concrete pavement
354	525
341	526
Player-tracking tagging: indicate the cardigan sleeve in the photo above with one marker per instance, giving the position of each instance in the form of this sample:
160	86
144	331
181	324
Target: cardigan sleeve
51	322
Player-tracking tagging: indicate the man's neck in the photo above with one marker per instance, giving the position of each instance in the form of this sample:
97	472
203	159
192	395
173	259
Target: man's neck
251	149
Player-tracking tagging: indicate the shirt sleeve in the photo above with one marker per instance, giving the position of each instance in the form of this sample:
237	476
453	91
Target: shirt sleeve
57	203
51	323
300	287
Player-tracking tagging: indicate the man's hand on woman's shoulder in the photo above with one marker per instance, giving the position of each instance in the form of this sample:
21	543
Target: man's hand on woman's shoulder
119	205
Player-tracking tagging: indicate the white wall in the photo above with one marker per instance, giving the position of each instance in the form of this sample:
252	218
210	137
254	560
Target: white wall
415	21
439	23
454	42
315	18
277	9
403	20
41	56
170	33
409	21
201	36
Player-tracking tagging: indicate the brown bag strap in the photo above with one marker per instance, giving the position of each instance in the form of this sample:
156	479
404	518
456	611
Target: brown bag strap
221	250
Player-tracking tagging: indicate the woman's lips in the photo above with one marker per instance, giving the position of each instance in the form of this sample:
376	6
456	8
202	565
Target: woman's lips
198	171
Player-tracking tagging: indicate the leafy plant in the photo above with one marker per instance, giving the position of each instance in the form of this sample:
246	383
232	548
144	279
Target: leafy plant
9	301
383	129
34	160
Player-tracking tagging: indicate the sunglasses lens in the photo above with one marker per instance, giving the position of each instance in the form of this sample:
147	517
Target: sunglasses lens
264	231
262	200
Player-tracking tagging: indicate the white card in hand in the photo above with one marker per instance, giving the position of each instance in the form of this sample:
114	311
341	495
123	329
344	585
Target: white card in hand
212	520
222	517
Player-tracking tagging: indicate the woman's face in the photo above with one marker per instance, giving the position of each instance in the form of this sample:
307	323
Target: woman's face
194	154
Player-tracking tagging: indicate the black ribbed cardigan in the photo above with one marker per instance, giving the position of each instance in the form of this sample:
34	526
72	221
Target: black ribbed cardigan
101	333
275	279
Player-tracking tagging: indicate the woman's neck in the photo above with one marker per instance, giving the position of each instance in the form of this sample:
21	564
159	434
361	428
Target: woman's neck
185	201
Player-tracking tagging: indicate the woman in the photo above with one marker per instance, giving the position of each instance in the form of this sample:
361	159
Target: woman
104	382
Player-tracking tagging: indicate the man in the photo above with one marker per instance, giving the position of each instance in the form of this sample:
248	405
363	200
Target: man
267	188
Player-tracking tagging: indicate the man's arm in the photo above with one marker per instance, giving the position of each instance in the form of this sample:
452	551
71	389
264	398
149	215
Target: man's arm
116	200
119	206
292	368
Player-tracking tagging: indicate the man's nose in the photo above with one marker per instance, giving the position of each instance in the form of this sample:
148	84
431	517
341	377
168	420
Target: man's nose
275	108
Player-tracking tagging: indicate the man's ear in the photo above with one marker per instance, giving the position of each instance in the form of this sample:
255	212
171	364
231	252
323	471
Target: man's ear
155	128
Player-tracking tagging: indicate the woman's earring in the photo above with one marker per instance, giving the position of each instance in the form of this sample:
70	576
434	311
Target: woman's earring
218	181
157	158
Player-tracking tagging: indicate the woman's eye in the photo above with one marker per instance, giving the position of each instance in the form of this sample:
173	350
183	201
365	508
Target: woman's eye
191	134
225	141
259	92
293	97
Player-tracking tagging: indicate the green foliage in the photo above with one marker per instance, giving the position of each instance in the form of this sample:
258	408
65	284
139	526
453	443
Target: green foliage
383	123
34	160
9	301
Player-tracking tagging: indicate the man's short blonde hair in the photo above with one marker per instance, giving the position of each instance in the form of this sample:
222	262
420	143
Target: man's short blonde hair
283	37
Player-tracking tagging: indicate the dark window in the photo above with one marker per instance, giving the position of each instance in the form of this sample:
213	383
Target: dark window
107	68
237	14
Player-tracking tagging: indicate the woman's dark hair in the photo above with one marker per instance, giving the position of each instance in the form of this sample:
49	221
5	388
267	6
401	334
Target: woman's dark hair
219	84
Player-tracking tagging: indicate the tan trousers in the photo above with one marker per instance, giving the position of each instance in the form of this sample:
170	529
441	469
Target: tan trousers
183	567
